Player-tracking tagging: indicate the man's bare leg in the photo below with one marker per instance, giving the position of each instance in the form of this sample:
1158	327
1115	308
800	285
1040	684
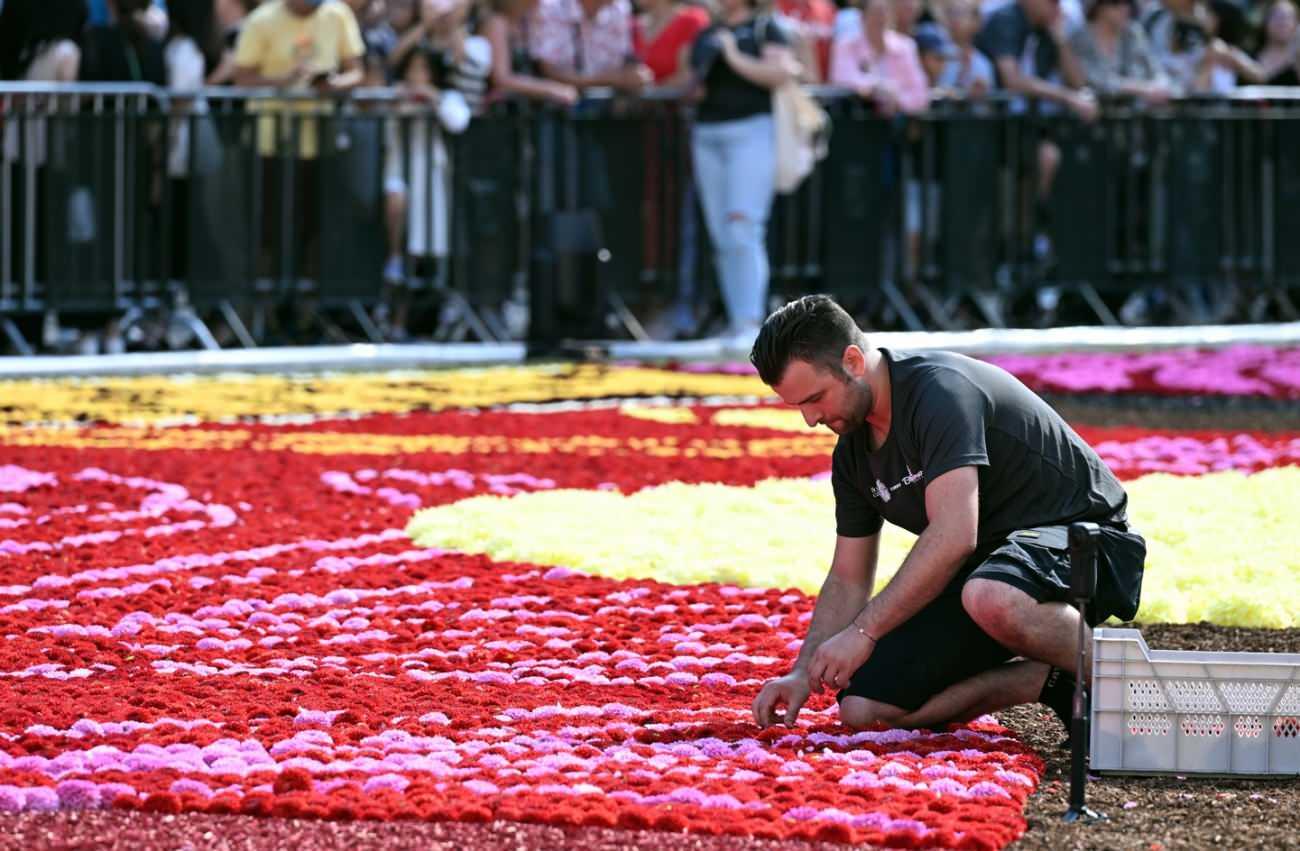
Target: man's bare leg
1045	632
1006	685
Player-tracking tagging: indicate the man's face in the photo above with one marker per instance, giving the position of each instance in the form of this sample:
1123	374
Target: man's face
302	8
838	400
1041	13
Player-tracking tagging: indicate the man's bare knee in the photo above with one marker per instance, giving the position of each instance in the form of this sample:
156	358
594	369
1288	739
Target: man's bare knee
859	712
995	606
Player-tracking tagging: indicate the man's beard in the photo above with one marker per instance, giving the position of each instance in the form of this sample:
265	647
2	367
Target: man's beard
858	401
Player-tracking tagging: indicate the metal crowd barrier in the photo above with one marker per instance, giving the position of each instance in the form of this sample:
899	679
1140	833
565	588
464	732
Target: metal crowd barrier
125	199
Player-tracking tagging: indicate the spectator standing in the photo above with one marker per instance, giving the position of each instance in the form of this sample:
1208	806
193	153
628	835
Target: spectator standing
1026	40
811	23
587	43
739	60
190	52
297	46
968	73
513	70
38	43
1183	34
417	170
230	17
39	39
1114	55
1279	56
124	50
933	50
880	64
662	36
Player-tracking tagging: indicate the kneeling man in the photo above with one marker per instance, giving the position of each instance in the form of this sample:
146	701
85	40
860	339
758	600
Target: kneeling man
989	477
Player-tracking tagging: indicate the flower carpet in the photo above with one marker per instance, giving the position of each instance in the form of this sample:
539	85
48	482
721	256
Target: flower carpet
542	595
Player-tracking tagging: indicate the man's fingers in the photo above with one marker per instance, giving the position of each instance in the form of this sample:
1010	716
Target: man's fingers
763	708
792	712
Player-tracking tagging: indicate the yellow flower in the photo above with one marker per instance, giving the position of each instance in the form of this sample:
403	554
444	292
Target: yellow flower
155	399
1222	547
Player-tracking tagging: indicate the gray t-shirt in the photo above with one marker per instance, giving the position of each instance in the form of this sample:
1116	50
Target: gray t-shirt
953	411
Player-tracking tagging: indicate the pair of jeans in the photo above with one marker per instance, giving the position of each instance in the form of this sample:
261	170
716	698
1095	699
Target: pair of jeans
735	172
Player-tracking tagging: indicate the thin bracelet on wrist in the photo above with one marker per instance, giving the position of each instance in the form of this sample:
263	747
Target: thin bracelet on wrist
863	632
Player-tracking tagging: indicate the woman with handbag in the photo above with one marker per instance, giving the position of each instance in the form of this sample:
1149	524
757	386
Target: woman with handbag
739	61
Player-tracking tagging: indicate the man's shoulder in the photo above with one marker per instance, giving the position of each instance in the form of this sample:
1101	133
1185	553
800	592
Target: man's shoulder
266	14
920	375
898	42
336	11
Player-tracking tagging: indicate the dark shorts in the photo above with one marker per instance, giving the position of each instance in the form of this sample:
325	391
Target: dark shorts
941	645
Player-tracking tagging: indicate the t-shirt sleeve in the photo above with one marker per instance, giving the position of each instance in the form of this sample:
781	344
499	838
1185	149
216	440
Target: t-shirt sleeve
704	51
250	50
184	65
949	420
1000	37
351	44
775	32
854	515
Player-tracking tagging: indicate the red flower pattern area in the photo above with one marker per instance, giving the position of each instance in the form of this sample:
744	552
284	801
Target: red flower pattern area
244	628
377	681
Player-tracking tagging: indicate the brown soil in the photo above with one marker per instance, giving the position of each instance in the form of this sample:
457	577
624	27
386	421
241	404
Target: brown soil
1161	812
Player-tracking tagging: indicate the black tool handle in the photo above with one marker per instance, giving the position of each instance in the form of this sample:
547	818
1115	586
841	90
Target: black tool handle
1084	539
1083	560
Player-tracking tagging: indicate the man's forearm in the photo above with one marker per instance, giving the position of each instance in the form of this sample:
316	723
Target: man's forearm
1041	89
837	603
1071	67
927	570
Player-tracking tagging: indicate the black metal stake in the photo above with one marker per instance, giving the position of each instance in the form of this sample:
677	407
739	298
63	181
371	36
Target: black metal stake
1083	587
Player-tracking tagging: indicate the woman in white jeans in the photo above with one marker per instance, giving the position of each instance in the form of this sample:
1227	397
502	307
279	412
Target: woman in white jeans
739	60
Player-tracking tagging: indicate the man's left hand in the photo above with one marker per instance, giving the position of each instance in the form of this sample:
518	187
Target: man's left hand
836	660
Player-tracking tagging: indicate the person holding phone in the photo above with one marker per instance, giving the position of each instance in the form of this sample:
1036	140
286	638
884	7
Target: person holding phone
299	46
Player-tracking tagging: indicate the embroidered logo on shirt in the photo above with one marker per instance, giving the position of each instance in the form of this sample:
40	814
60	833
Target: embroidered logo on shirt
885	493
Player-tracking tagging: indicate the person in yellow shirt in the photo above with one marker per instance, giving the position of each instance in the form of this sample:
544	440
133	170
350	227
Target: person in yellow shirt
300	47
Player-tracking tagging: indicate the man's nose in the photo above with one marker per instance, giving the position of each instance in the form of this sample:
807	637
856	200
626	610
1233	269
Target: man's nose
811	417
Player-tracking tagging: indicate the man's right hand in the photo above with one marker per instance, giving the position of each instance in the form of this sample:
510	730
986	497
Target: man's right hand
790	691
1085	106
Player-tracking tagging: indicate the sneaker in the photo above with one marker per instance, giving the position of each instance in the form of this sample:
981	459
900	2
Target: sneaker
1058	695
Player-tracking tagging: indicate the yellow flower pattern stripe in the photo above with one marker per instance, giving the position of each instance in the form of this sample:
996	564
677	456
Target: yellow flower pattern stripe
1224	547
812	444
228	397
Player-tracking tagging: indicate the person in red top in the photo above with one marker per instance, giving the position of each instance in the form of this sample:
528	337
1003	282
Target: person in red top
813	24
662	36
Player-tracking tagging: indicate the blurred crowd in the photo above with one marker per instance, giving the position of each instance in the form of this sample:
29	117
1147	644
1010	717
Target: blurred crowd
455	56
899	53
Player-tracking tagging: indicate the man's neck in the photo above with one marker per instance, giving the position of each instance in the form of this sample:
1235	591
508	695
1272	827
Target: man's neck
881	401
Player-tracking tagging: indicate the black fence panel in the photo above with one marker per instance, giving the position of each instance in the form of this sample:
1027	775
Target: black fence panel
487	173
1194	198
969	151
1285	234
218	209
87	243
352	234
861	200
591	211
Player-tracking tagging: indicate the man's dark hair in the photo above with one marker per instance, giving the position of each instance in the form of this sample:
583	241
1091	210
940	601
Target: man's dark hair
813	329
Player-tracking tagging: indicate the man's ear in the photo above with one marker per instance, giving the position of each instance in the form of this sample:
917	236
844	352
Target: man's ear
854	361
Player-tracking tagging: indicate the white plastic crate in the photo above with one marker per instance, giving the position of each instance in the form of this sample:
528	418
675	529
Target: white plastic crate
1191	712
